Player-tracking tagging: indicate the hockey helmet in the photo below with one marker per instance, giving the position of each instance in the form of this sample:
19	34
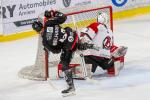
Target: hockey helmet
102	18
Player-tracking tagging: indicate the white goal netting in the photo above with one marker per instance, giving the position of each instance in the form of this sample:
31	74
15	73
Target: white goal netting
46	64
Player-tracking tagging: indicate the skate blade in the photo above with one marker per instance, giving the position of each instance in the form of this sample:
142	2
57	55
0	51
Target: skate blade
69	94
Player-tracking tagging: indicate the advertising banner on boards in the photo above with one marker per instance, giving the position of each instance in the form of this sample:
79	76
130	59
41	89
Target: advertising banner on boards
1	28
18	15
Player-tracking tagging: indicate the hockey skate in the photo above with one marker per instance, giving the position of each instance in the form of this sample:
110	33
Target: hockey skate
71	89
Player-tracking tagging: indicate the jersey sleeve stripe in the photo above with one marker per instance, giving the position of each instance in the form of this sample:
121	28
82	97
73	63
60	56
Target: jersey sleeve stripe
75	41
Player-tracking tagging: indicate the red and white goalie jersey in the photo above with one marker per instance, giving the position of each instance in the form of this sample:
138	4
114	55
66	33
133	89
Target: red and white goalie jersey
102	37
99	35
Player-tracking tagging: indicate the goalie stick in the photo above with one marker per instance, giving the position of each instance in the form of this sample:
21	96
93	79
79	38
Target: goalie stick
90	80
90	46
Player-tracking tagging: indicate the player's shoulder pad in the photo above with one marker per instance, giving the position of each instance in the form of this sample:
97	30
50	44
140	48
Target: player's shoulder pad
94	26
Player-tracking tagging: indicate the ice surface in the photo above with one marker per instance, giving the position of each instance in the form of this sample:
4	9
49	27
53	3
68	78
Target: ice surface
133	83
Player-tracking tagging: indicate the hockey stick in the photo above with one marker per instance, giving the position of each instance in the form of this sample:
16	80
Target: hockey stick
90	80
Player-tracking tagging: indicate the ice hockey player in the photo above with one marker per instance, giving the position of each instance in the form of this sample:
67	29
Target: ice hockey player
109	57
58	40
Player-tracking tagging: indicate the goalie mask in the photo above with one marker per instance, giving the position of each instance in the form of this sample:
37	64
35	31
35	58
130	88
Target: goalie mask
102	18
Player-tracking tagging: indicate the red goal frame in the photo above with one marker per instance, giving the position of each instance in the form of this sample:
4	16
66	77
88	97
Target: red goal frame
72	13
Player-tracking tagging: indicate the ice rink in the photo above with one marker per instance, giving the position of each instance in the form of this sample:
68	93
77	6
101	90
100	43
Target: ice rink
133	83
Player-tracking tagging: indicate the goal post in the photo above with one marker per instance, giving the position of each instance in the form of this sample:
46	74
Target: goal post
46	64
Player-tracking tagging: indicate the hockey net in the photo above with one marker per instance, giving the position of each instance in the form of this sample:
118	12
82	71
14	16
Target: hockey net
46	64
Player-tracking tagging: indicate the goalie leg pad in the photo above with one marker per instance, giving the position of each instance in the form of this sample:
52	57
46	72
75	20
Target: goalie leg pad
118	65
97	61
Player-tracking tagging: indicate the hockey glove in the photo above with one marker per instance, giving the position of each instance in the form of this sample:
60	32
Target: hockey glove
49	14
84	46
37	26
120	51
